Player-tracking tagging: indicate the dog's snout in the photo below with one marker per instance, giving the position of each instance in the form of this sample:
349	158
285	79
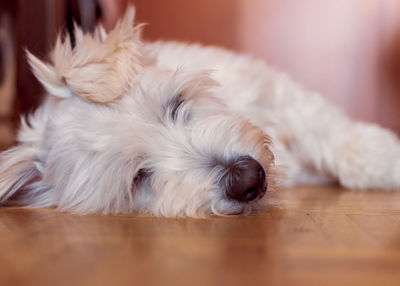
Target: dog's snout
245	180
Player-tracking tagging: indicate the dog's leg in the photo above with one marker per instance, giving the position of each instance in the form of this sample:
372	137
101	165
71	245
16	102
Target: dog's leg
325	140
367	156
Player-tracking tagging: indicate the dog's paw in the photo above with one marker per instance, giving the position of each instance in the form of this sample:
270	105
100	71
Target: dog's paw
369	158
396	175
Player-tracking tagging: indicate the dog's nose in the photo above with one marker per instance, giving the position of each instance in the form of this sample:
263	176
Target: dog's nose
245	180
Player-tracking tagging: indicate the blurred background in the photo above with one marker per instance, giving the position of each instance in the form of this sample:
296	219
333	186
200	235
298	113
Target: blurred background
347	50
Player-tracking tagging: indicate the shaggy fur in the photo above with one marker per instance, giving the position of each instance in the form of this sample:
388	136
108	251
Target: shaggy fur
153	127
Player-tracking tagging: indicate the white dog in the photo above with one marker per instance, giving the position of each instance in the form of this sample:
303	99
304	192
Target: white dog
173	129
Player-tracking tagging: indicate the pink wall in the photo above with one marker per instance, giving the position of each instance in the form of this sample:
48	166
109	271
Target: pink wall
347	50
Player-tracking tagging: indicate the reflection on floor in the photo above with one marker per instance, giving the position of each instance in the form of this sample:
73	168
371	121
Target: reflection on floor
305	236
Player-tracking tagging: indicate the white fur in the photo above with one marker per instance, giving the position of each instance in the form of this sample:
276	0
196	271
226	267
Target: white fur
108	119
99	68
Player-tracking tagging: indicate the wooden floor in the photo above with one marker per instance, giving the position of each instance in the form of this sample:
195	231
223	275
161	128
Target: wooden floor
307	236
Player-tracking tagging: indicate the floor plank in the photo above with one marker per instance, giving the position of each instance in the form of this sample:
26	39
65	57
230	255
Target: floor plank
303	236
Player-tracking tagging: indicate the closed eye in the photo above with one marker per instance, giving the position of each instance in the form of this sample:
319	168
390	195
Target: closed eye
142	175
174	106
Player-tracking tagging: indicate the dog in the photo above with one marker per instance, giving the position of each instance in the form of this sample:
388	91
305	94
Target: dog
173	129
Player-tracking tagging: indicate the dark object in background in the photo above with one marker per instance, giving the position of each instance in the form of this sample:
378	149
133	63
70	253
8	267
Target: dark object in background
38	23
7	73
31	25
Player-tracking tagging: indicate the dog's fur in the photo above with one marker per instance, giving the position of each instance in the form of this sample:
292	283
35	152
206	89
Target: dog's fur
153	127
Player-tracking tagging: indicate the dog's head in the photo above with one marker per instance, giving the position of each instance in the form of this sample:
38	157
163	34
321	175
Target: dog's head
120	133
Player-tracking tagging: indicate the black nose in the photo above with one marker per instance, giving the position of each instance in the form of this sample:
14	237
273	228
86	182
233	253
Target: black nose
245	180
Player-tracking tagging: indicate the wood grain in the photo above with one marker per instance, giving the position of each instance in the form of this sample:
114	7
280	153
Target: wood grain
304	236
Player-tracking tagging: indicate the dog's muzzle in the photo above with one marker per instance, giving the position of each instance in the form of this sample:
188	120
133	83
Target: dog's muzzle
245	180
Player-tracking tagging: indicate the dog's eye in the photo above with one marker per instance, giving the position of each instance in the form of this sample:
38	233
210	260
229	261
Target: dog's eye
141	176
174	105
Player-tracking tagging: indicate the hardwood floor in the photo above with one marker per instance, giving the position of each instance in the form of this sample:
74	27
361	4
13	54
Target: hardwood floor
305	236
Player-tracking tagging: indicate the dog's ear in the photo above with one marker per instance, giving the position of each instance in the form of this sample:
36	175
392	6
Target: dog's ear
99	68
17	171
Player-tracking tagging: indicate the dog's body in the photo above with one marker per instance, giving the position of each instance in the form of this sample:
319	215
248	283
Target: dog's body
173	129
313	140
